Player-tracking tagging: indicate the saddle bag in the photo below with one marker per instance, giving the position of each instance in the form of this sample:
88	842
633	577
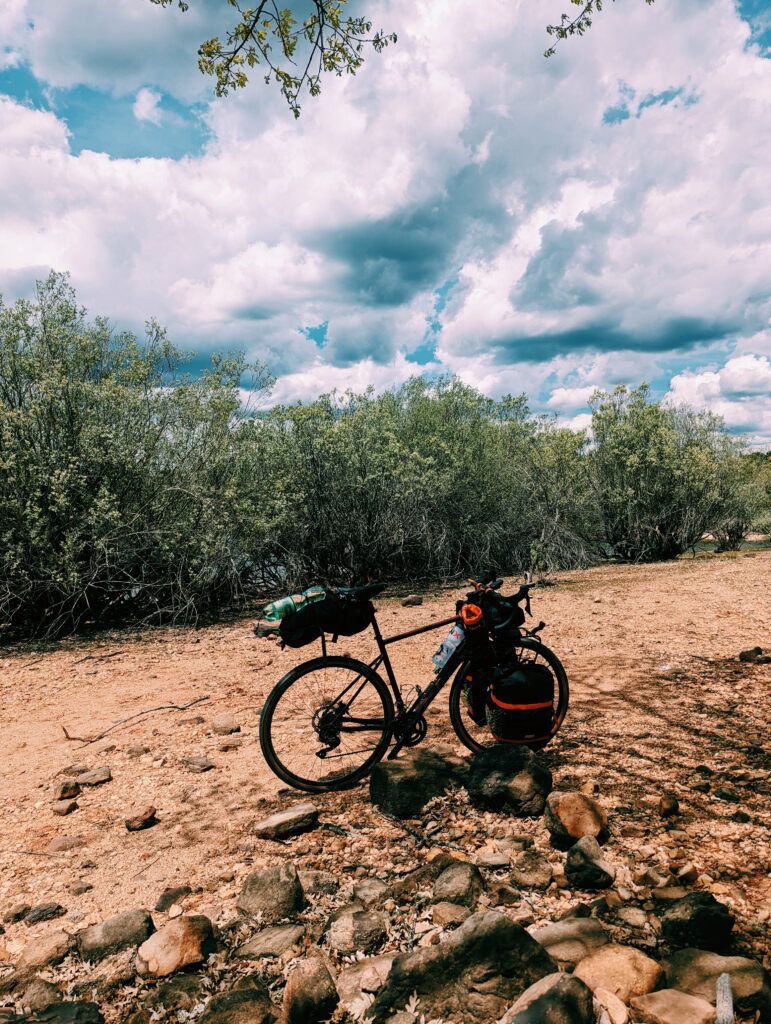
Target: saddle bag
519	703
337	615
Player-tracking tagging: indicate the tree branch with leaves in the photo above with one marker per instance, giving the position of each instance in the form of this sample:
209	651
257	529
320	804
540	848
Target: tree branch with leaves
571	24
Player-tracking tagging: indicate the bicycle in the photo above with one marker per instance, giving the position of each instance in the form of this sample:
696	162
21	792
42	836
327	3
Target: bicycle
321	708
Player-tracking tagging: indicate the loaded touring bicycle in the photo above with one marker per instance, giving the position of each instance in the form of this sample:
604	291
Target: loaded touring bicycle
328	721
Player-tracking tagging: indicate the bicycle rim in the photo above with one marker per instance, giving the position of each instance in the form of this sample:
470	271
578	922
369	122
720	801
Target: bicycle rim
326	723
477	736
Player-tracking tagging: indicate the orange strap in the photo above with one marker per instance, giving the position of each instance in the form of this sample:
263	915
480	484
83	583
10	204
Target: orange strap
519	707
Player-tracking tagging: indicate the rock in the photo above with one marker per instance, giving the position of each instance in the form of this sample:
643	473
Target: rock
141	818
318	883
248	1005
16	913
67	1013
727	795
296	819
62	844
39	994
633	916
687	874
615	1010
449	915
696	971
96	777
356	931
224	725
137	750
555	999
49	949
460	883
44	912
230	743
422	877
366	977
503	894
67	790
412	601
370	891
509	779
274	892
585	866
64	807
570	941
492	859
751	655
131	928
310	996
198	764
170	896
741	817
404	786
669	893
672	1007
622	970
669	805
531	870
699	921
571	816
475	973
271	942
184	941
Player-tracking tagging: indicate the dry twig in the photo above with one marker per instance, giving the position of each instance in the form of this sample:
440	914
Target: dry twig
148	711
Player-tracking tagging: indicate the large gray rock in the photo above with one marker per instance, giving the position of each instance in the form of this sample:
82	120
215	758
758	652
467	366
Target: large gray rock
700	921
459	883
131	928
370	892
569	941
298	818
571	816
696	971
271	942
404	786
474	974
355	931
510	779
310	995
622	970
96	777
184	941
64	1013
586	868
672	1007
555	999
49	949
274	892
39	994
364	978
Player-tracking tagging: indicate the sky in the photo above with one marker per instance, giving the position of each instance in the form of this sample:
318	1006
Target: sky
462	205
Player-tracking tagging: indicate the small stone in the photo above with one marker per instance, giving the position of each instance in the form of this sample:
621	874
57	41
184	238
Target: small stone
531	870
96	777
66	1013
449	915
698	920
249	1004
572	816
138	750
570	941
616	1011
367	976
180	943
131	928
39	994
669	893
586	868
672	1007
741	817
141	818
224	725
751	655
370	891
622	970
61	844
318	883
310	995
67	790
198	764
502	894
274	892
492	859
632	916
412	601
299	818
64	807
271	942
230	743
729	796
555	999
170	896
590	788
16	913
357	930
669	805
51	948
687	874
44	912
460	883
80	887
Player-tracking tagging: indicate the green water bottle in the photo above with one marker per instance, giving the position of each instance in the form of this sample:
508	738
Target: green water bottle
277	610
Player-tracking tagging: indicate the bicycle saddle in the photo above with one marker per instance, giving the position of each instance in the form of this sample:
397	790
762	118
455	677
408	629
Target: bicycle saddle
365	593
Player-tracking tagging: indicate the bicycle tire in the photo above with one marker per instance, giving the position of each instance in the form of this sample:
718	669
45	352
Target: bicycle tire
341	780
563	699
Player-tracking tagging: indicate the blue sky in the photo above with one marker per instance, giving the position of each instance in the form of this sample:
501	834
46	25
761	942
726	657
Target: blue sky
462	205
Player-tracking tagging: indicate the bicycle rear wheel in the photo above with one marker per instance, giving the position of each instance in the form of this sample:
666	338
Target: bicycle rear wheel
326	723
476	735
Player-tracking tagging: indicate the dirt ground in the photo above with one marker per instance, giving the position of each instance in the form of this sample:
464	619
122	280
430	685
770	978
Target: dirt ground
657	691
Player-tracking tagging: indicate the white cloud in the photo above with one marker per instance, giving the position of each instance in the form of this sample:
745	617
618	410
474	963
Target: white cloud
567	399
146	106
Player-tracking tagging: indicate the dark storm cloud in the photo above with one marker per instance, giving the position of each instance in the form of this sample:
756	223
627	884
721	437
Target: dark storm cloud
555	277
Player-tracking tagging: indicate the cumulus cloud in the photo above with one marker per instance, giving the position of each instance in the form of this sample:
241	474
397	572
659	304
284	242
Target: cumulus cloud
146	106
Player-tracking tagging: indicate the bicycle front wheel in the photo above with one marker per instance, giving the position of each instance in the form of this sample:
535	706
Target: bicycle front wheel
326	724
474	733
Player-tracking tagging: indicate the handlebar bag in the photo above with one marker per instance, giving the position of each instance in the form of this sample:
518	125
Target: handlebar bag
520	701
337	615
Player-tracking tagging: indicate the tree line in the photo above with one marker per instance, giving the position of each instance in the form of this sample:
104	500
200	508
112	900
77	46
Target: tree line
132	492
